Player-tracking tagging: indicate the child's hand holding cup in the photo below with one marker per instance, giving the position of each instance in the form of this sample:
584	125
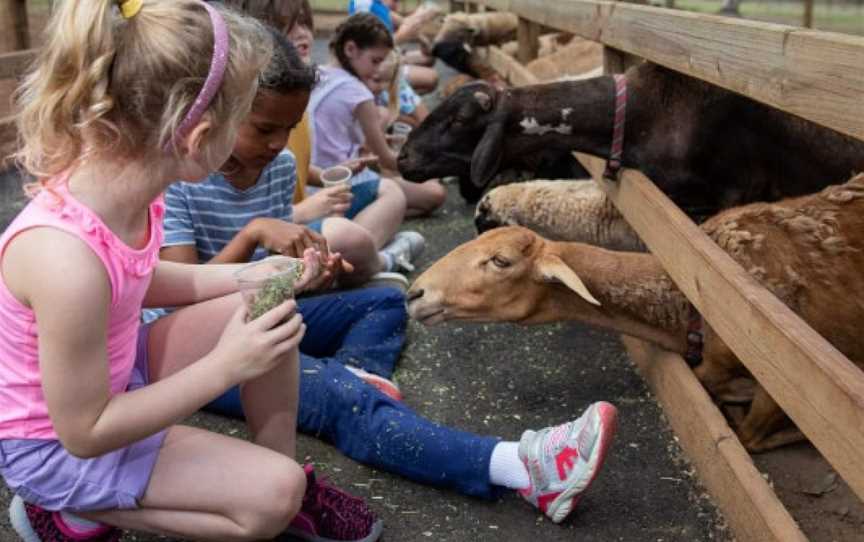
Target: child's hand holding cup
338	177
268	283
398	135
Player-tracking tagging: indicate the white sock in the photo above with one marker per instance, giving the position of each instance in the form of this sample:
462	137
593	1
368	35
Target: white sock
387	260
505	467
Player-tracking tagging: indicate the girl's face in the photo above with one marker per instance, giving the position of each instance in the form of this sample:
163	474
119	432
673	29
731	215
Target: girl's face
380	81
264	132
365	62
302	38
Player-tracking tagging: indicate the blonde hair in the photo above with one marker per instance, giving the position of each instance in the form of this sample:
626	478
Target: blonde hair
394	59
102	83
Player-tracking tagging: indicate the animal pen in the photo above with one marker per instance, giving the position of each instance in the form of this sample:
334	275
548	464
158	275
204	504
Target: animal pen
816	75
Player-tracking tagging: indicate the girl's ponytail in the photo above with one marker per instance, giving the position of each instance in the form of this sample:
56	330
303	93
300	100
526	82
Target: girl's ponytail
67	90
105	83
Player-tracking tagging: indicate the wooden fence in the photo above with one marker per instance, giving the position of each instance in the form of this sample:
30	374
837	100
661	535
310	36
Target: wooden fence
815	75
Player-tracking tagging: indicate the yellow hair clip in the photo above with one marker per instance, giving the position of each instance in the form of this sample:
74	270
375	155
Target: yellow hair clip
130	8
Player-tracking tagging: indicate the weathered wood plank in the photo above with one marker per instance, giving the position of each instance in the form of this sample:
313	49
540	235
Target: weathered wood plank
725	469
8	140
14	28
820	389
13	64
528	37
816	75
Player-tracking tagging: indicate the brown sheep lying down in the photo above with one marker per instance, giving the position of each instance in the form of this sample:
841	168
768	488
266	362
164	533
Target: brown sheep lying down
809	251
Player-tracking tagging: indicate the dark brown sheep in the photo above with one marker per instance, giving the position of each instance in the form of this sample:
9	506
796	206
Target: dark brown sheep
705	147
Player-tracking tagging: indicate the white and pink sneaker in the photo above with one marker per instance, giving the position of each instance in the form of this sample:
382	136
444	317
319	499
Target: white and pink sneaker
563	460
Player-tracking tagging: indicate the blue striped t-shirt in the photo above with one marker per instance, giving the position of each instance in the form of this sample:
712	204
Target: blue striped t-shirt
209	213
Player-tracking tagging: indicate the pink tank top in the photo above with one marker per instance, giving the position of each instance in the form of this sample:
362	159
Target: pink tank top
23	411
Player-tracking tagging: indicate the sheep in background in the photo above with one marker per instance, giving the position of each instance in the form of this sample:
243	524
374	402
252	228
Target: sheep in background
548	44
576	58
808	251
460	34
560	211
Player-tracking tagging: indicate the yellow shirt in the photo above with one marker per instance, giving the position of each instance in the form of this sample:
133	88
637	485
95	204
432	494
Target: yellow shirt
300	144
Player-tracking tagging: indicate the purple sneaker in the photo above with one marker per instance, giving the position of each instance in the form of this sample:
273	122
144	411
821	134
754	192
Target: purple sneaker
328	514
35	524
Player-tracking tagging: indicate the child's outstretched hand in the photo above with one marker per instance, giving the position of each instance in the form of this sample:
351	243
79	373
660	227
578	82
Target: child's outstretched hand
332	266
333	201
247	350
356	165
286	238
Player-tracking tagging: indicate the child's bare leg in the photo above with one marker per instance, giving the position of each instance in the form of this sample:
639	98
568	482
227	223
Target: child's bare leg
421	78
423	198
386	117
356	245
207	486
383	216
269	401
418	58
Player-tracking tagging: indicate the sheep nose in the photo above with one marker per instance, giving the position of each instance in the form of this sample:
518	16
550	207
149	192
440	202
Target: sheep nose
414	293
484	224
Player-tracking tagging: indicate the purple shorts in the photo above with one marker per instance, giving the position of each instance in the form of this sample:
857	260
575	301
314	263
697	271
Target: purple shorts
43	473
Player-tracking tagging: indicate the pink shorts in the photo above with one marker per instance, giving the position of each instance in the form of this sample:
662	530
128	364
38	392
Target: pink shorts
43	473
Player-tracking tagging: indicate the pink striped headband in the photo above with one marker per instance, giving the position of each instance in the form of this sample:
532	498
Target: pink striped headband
214	77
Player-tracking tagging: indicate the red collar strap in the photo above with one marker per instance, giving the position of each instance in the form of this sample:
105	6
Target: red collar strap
695	338
613	166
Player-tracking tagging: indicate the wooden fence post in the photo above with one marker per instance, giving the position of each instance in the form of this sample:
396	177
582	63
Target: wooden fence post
808	14
528	36
616	61
14	32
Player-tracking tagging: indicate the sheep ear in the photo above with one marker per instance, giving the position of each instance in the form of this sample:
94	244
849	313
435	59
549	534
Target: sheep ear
552	268
486	159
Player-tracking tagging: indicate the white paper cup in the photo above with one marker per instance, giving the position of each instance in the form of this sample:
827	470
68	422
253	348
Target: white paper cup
267	283
336	176
397	141
401	128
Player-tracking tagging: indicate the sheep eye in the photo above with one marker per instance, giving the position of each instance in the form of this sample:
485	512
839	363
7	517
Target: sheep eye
499	261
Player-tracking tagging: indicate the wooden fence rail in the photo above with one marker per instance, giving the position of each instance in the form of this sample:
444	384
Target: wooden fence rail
816	75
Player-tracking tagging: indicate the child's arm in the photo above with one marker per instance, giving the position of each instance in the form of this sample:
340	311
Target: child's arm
67	288
175	284
325	202
367	114
275	235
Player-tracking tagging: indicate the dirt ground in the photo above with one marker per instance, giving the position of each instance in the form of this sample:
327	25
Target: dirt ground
502	379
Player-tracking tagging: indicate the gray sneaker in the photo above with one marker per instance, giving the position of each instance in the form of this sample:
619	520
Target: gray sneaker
405	247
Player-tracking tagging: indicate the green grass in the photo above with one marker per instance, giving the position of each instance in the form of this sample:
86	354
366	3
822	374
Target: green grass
845	18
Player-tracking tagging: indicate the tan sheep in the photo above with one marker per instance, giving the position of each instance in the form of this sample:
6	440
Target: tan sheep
809	251
560	211
478	29
576	58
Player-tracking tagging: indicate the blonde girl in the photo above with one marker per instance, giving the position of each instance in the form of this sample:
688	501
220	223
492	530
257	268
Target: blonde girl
124	99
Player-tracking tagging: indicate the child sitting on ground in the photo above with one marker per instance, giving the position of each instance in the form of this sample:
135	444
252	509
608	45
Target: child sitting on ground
393	104
343	112
89	398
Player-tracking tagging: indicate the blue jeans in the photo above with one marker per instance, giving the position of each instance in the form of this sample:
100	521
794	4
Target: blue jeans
367	328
